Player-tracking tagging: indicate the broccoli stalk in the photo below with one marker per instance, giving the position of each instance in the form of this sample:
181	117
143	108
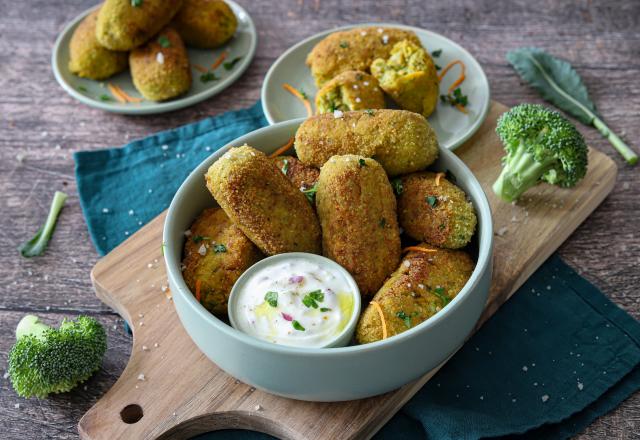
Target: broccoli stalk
45	360
541	145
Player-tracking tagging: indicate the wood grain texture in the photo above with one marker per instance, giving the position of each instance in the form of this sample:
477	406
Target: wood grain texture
600	38
132	277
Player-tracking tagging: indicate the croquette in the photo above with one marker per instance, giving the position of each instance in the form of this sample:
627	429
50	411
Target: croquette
87	58
434	210
357	211
257	197
409	76
422	285
160	69
127	24
302	176
401	141
216	253
350	90
205	24
353	49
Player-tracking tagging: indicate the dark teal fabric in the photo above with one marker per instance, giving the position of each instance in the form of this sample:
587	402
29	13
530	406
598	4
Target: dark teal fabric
552	359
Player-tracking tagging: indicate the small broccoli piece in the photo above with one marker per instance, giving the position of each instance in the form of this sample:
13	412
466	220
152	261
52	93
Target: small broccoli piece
45	360
541	145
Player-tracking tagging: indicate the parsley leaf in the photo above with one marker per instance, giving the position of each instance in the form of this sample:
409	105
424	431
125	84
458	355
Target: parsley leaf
406	318
199	238
209	76
219	248
370	112
382	222
439	292
397	186
455	98
285	167
230	64
105	98
311	193
325	309
436	53
164	41
344	44
312	299
432	201
362	163
271	298
136	3
298	326
82	88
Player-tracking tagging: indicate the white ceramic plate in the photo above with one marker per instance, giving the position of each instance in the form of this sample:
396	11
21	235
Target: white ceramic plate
451	126
243	44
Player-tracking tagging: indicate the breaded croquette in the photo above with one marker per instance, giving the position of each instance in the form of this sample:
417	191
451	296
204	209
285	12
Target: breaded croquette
205	24
350	90
409	76
262	202
127	24
216	253
401	141
434	210
357	211
160	69
302	176
353	49
422	285
87	58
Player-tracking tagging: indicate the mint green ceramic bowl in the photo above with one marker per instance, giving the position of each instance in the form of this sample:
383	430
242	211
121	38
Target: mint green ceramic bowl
341	373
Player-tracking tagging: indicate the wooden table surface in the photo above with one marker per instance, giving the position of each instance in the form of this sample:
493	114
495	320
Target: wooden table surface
40	127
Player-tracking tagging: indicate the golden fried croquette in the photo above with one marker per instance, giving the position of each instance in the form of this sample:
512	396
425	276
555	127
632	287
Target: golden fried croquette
409	76
357	211
127	24
422	285
401	141
87	58
350	90
302	176
353	49
216	253
258	198
205	24
160	69
434	210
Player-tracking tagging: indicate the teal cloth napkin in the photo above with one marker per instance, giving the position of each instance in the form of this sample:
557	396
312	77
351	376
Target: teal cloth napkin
553	358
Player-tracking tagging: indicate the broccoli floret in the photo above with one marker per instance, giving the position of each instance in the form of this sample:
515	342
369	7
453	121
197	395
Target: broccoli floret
541	145
45	360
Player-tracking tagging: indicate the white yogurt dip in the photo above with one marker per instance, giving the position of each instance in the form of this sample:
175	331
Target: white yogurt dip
292	300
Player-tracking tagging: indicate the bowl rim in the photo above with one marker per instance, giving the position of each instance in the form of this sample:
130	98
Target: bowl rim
482	115
483	263
349	328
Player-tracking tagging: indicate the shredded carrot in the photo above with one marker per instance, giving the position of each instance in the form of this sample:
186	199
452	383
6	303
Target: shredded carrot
126	95
460	79
438	177
282	149
418	249
200	68
384	322
462	108
116	94
198	284
300	96
219	60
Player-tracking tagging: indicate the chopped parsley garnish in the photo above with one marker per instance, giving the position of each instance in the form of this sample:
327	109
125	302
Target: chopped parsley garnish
271	298
136	3
406	318
311	193
105	98
209	76
325	309
438	67
82	88
312	299
303	94
362	163
382	222
219	248
231	64
455	98
285	167
436	53
442	226
344	44
432	201
298	326
199	238
164	41
397	186
370	112
439	292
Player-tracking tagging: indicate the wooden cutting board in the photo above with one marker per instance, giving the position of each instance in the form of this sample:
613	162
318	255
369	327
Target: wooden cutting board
170	389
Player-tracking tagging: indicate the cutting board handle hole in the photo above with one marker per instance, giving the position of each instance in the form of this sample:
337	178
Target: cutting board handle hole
131	414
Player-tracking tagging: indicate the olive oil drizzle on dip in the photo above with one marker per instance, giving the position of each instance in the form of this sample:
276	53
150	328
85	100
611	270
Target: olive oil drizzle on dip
295	302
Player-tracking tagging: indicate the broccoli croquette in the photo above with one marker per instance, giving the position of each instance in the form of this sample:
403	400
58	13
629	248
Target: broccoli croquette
401	141
353	49
126	24
357	211
87	58
261	201
160	69
302	176
205	24
409	76
422	285
434	210
350	90
216	253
